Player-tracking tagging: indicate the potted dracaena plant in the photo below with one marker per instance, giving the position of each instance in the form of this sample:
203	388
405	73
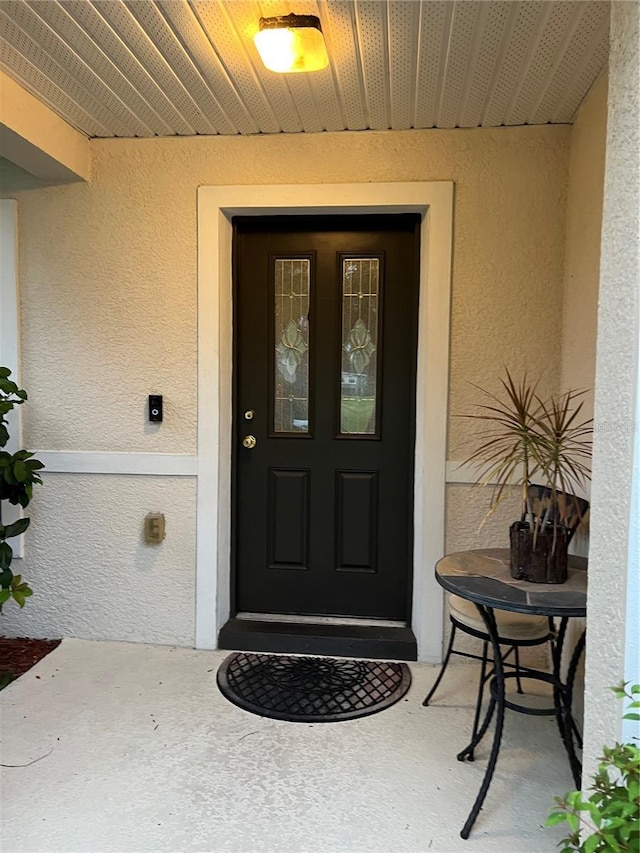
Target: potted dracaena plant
527	440
18	473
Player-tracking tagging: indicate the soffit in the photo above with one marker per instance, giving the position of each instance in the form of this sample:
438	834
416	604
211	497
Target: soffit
172	67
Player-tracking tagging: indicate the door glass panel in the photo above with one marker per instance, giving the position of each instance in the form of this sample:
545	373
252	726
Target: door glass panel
291	386
360	291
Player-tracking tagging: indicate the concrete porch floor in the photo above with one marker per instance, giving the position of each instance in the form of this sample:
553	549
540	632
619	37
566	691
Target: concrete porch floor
143	754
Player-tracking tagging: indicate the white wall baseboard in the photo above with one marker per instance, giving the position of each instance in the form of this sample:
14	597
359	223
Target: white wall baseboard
461	474
165	464
456	472
92	462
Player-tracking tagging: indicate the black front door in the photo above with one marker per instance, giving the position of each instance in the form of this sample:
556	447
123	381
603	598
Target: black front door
325	315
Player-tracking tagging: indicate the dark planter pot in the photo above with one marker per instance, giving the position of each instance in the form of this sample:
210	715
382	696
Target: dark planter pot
539	559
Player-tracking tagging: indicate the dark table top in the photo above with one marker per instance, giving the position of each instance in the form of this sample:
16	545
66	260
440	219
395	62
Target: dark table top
483	577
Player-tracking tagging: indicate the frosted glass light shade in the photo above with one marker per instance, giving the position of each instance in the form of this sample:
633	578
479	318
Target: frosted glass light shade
291	43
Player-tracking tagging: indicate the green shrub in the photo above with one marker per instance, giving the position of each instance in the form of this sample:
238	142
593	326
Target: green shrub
608	820
18	473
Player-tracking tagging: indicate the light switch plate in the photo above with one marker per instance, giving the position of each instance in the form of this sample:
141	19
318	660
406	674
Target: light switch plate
154	528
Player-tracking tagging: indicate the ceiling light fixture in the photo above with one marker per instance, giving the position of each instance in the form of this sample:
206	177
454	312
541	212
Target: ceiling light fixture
290	43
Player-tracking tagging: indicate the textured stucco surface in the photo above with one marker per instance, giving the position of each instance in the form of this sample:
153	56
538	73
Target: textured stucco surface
92	574
146	755
109	268
467	524
582	274
582	252
616	386
108	298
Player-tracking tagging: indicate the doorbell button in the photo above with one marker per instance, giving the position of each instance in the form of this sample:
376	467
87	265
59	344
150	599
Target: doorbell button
155	408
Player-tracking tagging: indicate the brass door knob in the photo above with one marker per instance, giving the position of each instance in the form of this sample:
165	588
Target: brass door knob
249	441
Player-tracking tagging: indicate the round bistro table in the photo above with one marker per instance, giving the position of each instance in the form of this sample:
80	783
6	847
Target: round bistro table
483	577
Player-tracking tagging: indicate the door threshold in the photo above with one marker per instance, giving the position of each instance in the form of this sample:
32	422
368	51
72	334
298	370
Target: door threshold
380	639
318	620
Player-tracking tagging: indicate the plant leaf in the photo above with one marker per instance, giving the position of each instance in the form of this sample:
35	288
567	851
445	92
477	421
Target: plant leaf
17	528
6	555
555	818
18	597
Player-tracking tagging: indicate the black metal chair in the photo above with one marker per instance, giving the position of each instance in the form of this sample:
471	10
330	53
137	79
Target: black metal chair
516	630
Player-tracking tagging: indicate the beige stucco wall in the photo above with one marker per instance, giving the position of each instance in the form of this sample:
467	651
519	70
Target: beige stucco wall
108	294
92	574
582	253
614	549
109	269
581	280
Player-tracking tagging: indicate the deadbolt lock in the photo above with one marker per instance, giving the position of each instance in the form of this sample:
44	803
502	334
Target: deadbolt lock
249	415
249	441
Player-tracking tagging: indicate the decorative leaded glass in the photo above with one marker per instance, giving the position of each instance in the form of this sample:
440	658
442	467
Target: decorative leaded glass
360	320
291	386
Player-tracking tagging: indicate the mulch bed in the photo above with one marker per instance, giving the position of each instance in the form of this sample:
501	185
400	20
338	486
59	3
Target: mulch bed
19	654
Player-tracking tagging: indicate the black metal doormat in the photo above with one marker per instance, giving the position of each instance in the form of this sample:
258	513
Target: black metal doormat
311	690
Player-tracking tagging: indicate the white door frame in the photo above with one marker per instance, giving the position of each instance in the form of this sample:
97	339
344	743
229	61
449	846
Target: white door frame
216	207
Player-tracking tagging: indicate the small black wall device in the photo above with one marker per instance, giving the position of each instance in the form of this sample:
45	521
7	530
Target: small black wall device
155	408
